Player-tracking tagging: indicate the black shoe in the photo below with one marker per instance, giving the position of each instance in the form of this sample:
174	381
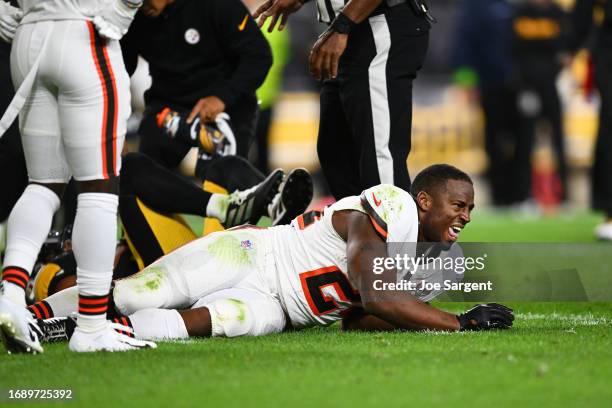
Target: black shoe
56	329
247	206
293	198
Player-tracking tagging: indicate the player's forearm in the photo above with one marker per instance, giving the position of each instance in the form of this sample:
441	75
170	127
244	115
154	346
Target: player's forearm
359	10
358	320
413	315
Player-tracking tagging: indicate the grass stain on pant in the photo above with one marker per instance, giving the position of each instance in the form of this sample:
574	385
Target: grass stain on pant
232	250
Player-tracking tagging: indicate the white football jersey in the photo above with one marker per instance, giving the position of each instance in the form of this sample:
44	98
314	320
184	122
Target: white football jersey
311	258
41	10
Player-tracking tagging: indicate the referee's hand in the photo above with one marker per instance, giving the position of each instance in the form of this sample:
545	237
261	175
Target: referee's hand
276	9
325	55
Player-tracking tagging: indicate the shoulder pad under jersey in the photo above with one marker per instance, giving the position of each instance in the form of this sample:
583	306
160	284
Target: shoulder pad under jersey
392	211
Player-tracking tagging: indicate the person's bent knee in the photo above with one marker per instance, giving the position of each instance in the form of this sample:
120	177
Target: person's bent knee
147	289
230	318
57	188
108	186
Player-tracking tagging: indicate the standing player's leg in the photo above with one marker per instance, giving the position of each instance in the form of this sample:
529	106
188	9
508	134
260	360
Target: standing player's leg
406	57
383	77
94	105
602	166
30	219
13	172
335	146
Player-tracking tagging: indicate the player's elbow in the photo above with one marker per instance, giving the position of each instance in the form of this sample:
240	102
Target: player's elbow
375	308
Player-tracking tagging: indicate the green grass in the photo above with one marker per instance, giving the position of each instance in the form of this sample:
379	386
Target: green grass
557	354
489	226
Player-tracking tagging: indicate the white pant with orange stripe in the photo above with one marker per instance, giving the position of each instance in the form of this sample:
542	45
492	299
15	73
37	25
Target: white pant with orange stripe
73	121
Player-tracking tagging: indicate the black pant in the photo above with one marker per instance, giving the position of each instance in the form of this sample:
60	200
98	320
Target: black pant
12	161
507	175
602	166
366	113
262	140
155	143
168	193
542	81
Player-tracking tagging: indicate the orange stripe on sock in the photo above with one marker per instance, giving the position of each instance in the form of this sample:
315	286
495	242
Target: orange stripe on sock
93	302
34	308
93	309
46	311
16	276
16	281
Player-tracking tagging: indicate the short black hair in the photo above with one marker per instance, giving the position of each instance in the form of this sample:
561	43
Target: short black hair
435	176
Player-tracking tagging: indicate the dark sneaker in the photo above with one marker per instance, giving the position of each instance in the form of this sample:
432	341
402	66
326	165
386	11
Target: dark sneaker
293	198
247	206
56	329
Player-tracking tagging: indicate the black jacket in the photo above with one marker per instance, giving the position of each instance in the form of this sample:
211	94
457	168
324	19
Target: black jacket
582	17
199	48
540	35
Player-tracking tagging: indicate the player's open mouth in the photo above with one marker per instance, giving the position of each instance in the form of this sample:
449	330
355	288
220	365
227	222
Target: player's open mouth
454	231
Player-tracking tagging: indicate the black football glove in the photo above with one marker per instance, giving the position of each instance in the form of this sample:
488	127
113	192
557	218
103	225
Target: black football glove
485	317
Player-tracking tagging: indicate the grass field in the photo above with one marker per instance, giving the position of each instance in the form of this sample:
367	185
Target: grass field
557	354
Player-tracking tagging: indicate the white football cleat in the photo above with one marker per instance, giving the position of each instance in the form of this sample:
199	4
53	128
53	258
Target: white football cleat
18	329
107	339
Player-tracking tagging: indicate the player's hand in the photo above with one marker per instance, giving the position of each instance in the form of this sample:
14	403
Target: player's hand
9	20
207	109
325	55
113	22
485	317
276	9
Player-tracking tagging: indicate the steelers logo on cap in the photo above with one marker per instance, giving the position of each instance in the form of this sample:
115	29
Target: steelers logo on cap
192	36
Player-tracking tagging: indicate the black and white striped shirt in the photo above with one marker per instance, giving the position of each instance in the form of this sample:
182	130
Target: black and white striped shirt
329	9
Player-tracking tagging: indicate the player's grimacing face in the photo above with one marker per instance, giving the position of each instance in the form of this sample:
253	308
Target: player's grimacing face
449	212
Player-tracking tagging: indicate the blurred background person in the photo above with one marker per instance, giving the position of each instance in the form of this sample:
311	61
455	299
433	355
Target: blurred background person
485	68
601	27
13	172
205	58
540	30
269	91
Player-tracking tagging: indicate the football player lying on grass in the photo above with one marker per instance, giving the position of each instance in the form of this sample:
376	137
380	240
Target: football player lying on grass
256	281
150	196
152	200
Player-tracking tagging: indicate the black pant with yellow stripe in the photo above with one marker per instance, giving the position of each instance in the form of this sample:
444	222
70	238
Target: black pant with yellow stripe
151	199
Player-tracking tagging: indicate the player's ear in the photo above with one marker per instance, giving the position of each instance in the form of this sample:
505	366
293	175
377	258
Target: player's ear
424	200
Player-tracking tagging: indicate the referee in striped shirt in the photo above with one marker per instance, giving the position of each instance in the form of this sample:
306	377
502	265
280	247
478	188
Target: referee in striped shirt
367	60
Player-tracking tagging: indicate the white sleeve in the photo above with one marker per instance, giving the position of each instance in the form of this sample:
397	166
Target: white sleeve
392	211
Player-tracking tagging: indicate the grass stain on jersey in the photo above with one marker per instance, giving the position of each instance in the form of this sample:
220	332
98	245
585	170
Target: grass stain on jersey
228	250
393	203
